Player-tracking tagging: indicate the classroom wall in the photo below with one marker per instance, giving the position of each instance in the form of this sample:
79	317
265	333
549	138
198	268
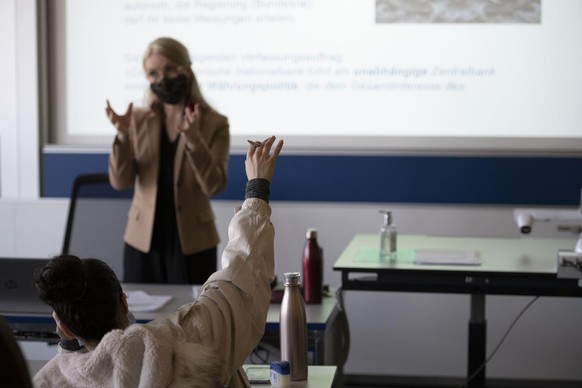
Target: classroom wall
19	117
392	333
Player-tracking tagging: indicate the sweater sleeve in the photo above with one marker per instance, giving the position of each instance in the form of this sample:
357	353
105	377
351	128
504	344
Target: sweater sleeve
230	314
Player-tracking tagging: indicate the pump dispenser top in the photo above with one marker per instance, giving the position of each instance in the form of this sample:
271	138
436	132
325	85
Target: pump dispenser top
387	217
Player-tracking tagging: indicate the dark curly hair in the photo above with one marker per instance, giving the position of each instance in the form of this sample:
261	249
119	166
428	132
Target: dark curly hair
85	294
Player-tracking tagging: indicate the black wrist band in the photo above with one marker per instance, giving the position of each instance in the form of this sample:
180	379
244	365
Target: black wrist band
71	345
258	188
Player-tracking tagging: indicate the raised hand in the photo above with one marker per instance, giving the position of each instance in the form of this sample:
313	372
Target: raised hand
121	123
260	162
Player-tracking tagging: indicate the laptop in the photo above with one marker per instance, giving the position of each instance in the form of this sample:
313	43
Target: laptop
29	317
18	292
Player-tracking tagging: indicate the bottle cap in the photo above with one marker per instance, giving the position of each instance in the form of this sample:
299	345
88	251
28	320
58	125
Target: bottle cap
280	374
281	367
292	278
311	233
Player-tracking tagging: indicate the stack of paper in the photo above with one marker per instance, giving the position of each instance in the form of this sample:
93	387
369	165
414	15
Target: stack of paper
447	257
142	301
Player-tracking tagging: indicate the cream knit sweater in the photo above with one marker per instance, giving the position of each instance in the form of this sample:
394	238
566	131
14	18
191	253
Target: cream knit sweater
204	343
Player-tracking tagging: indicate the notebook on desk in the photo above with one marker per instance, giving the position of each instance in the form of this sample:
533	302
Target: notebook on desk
447	256
17	288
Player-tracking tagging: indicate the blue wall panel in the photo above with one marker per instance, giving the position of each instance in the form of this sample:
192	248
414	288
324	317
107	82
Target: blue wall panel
59	170
399	179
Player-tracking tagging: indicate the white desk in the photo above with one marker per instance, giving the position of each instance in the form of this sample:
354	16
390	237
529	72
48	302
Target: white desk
523	256
509	266
317	377
320	319
318	315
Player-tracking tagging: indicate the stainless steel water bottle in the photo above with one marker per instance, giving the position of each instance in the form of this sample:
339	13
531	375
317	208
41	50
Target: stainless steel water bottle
293	326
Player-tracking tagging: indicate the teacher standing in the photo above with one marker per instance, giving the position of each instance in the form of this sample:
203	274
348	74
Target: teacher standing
174	152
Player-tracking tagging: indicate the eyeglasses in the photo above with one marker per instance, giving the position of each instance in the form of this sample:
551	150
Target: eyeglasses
169	71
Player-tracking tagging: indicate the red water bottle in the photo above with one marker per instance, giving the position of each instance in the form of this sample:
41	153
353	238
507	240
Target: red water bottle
312	268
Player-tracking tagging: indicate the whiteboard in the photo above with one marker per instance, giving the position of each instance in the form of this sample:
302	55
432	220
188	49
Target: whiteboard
339	75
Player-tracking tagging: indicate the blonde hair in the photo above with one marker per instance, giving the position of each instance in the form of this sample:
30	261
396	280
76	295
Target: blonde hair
178	54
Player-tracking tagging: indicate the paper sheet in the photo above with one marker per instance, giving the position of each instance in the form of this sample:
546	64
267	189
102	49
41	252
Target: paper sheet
142	301
447	257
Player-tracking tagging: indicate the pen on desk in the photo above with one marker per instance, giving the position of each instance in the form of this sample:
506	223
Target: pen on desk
255	143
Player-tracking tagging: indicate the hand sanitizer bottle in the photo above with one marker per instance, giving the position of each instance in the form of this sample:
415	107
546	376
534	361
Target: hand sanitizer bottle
387	238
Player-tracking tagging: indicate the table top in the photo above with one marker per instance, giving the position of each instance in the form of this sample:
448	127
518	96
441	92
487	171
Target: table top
508	266
318	315
504	255
318	376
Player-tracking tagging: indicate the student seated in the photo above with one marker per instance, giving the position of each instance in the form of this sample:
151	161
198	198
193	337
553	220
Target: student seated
203	344
13	368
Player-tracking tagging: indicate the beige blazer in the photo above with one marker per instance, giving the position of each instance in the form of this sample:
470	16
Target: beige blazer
199	172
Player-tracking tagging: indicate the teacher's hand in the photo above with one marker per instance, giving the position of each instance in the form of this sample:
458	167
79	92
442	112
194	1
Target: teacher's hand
121	123
190	120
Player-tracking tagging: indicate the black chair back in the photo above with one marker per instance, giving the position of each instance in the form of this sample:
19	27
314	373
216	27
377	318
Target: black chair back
96	220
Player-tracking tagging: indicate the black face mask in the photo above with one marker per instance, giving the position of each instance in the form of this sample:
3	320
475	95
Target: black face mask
171	90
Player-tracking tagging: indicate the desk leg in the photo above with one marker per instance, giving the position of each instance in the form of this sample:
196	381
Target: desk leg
318	348
477	341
